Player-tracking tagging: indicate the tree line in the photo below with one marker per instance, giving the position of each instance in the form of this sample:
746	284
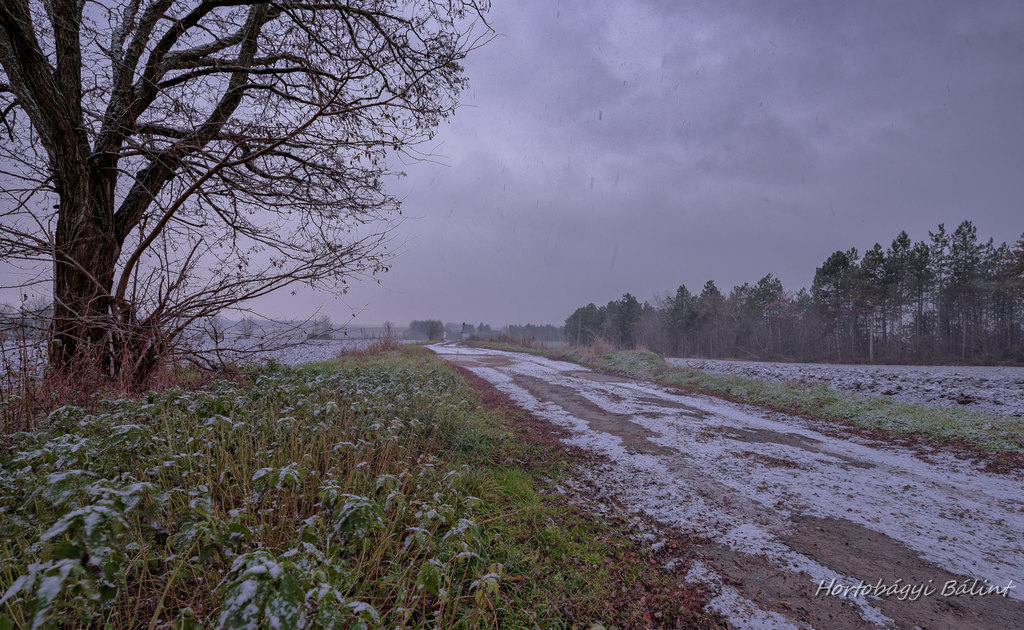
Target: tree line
950	298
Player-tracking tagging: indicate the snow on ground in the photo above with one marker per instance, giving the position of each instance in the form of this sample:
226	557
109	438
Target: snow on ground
14	353
296	353
772	488
996	390
242	351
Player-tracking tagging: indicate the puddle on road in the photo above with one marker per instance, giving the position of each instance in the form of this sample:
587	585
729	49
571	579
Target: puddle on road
771	461
767	436
635	437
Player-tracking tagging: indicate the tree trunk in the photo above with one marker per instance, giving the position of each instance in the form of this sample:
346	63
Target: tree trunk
963	336
85	255
871	338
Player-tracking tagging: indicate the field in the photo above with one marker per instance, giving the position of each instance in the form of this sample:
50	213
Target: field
994	390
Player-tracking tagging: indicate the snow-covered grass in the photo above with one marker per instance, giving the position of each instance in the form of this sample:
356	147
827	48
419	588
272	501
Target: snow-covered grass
298	352
984	431
293	347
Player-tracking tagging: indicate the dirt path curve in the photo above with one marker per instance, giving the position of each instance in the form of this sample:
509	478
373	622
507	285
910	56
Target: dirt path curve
804	529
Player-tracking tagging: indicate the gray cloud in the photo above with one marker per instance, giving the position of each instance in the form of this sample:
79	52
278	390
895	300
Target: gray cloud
633	146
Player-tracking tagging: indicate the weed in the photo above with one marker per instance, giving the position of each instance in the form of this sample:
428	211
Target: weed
330	491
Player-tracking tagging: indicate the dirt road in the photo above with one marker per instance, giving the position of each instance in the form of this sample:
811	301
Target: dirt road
802	526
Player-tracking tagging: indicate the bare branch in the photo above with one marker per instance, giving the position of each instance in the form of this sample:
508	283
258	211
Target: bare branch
172	158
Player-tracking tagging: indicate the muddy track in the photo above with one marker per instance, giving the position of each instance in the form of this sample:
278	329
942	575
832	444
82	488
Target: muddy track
802	529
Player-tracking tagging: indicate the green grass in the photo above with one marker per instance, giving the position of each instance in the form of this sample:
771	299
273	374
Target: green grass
988	434
373	491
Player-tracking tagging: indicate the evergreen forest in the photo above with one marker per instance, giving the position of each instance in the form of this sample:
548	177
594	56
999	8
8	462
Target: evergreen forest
951	298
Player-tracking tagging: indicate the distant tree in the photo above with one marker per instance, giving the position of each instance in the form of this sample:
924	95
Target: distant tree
897	281
871	291
431	329
535	332
965	254
624	317
27	321
1013	281
710	320
994	334
806	340
833	293
320	327
951	297
772	311
938	259
651	333
919	282
585	325
247	327
681	319
741	318
214	329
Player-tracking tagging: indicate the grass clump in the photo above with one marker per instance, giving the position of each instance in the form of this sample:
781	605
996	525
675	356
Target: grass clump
370	492
635	363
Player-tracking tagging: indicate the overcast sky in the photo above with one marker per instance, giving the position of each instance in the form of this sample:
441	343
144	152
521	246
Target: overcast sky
608	146
631	145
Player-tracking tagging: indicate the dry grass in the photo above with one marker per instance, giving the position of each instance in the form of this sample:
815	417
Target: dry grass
30	388
387	342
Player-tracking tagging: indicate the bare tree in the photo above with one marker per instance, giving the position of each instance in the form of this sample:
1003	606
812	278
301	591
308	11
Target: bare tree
169	158
320	328
247	327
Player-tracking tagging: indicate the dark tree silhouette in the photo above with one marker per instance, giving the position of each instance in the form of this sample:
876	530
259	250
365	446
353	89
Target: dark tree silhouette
168	159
